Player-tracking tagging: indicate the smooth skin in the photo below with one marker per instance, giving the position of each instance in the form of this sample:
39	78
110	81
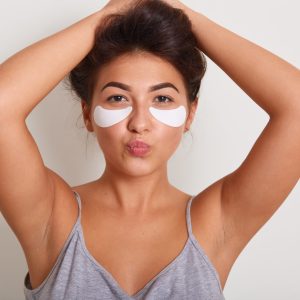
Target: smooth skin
149	230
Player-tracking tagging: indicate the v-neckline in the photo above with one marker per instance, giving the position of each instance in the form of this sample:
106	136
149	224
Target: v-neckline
111	277
114	281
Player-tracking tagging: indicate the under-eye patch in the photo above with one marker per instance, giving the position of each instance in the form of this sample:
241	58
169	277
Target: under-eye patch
109	117
171	117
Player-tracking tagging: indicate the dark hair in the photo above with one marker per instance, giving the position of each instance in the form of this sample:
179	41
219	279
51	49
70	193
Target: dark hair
151	26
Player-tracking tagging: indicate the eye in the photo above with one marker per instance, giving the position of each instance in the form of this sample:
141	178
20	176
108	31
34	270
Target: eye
116	98
164	99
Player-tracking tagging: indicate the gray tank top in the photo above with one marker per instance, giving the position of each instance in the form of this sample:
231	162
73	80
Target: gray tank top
77	275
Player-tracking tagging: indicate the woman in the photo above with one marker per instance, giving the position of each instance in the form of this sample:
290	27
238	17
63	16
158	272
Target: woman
130	233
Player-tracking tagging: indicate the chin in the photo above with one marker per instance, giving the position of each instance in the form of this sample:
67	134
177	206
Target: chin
138	167
137	170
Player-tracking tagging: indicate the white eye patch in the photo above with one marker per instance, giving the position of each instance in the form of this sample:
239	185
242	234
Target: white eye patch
171	117
109	117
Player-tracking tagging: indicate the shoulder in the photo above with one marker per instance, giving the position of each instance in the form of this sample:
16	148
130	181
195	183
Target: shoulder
208	229
63	217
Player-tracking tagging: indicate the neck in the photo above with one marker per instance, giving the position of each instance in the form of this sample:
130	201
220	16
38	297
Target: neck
135	194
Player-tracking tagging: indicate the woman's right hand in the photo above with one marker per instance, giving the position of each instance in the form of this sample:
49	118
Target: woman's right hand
118	6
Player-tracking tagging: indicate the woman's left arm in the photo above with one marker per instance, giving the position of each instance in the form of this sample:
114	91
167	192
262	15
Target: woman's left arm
254	191
271	82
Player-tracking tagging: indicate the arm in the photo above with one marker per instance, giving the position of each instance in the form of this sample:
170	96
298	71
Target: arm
29	75
270	81
27	186
253	192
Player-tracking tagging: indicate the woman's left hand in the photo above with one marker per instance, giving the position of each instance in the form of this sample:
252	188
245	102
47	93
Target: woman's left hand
178	4
118	6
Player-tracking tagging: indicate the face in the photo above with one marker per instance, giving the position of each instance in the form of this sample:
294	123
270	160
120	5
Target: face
129	109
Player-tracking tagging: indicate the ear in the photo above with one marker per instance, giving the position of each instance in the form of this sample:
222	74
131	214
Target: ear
86	112
192	112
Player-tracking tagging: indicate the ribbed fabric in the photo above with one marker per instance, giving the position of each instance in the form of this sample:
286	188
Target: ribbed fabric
77	275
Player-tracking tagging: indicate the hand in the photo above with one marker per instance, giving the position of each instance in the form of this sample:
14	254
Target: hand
117	6
178	4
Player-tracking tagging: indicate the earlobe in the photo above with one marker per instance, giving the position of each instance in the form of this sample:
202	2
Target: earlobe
86	116
191	115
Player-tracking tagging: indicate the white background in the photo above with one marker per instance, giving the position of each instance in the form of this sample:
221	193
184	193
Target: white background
226	126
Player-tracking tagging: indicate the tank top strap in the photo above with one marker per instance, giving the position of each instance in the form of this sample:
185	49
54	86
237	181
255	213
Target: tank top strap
188	216
79	204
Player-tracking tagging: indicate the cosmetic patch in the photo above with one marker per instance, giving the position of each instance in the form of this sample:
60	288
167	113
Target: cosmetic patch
109	117
171	117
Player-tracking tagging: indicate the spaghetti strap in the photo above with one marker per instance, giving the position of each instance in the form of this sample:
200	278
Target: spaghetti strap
188	216
79	203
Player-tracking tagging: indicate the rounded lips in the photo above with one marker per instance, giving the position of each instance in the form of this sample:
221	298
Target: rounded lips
137	144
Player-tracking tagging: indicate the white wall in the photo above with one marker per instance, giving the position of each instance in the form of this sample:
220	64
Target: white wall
226	127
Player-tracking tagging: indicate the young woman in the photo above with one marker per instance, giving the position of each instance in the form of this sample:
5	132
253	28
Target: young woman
130	234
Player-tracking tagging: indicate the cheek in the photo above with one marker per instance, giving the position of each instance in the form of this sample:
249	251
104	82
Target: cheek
109	139
168	140
111	132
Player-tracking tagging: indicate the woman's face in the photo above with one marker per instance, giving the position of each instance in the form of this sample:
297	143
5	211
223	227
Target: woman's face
136	73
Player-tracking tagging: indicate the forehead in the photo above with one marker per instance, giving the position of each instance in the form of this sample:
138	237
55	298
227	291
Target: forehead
140	70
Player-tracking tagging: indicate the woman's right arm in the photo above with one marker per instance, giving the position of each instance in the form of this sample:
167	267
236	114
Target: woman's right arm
29	75
28	189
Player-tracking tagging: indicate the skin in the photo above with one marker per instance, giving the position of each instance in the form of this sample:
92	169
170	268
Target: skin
145	179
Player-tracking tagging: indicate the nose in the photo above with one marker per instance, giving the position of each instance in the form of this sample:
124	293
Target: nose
139	119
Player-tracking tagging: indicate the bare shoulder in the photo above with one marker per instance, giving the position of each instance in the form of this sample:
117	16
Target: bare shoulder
207	223
61	222
64	215
206	209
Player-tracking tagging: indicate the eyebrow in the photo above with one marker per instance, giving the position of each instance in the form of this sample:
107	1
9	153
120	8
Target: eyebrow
153	88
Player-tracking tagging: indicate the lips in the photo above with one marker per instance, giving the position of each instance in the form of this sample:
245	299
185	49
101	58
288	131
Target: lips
138	148
137	144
